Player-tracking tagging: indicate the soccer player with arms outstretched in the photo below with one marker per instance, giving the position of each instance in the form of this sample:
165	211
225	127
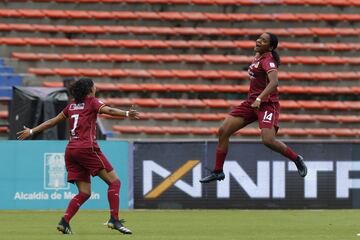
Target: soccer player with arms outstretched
262	105
83	156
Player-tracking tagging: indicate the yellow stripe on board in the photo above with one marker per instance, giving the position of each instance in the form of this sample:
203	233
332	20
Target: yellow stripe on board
171	180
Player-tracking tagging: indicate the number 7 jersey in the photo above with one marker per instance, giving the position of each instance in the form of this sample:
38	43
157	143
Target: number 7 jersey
82	118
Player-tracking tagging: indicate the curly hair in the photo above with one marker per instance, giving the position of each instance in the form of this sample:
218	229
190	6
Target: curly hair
81	88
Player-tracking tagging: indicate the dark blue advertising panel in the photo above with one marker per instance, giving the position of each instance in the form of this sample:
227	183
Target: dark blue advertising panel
167	176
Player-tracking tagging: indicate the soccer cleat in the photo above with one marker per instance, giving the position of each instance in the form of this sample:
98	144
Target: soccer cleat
213	176
118	225
64	227
301	167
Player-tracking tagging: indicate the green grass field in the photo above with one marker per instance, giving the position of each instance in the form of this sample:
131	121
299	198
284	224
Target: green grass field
187	224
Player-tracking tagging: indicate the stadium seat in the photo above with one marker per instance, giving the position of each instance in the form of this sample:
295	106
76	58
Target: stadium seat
4	129
127	129
3	114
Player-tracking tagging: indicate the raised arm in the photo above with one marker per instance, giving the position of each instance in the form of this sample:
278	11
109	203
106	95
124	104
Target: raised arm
43	126
131	113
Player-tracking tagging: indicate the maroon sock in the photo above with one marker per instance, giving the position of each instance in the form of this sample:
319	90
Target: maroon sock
220	159
74	205
290	154
113	197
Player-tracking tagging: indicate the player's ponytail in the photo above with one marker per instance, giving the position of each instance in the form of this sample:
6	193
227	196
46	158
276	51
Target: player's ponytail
274	43
80	89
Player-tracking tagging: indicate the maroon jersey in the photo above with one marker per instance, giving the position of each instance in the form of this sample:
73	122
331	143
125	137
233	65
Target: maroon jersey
258	71
82	118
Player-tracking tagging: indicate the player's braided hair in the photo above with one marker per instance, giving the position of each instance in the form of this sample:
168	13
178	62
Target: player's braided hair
81	88
274	43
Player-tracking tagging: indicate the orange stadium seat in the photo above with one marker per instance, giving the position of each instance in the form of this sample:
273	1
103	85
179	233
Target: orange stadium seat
348	119
325	118
118	101
127	129
299	132
52	84
115	73
163	116
164	102
192	103
152	130
4	129
345	132
160	73
183	116
176	87
175	130
202	131
145	102
316	132
129	87
248	132
216	103
296	117
4	114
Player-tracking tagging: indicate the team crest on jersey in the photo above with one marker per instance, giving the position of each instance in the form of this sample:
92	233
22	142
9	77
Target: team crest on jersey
79	106
272	64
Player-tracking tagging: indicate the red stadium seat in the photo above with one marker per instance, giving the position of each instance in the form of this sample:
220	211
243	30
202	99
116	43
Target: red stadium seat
210	116
25	56
202	131
67	72
248	132
106	86
298	132
152	130
216	103
175	130
192	103
129	87
4	129
4	114
168	102
162	116
316	132
145	102
41	71
53	84
184	116
176	87
345	132
127	129
118	101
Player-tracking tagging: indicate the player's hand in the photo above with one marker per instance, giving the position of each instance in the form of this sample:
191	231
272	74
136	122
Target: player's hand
133	113
256	104
23	134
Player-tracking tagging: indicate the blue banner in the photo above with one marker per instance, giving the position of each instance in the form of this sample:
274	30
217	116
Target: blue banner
34	175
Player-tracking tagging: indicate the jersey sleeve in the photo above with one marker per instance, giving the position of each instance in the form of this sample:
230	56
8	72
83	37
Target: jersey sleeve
268	64
97	104
65	111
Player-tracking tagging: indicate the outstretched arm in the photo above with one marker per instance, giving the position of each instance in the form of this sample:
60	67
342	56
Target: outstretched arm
45	125
131	113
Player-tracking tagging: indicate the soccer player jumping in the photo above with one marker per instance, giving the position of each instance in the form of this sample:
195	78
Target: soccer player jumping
262	104
83	156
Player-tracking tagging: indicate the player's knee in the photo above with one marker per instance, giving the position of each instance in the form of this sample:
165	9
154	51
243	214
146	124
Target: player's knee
222	133
116	184
267	140
84	196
